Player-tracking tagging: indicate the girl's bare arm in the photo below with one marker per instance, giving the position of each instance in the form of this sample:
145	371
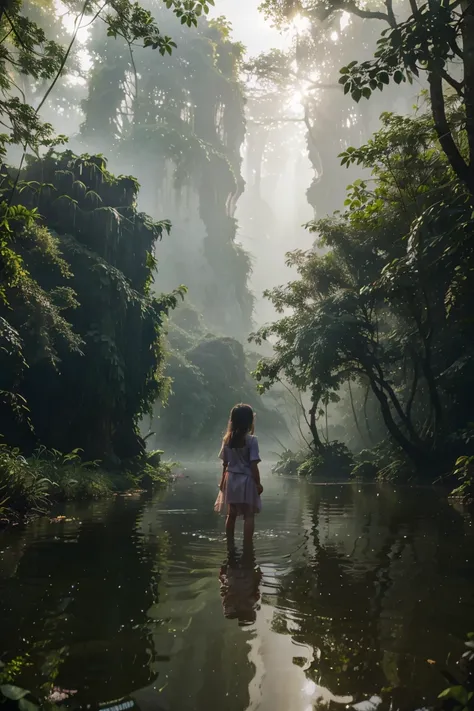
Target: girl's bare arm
224	468
256	476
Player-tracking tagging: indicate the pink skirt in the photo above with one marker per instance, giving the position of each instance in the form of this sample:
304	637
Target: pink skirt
239	494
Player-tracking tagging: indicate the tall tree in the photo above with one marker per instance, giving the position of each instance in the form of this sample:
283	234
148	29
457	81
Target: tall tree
34	298
377	306
180	129
435	39
322	44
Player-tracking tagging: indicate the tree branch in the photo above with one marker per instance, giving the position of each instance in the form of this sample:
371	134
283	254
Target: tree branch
443	131
467	31
458	86
354	413
77	25
414	387
367	14
392	20
366	417
300	405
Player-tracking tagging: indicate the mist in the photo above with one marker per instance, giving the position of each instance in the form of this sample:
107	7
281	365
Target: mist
241	227
234	136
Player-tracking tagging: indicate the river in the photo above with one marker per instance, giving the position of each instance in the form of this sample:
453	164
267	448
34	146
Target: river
355	591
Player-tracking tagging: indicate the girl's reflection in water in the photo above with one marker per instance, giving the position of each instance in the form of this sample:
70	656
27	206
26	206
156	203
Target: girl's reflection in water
240	580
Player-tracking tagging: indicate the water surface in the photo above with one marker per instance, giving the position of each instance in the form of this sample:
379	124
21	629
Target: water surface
355	591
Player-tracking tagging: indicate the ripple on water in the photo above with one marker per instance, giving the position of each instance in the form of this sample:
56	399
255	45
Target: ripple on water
352	589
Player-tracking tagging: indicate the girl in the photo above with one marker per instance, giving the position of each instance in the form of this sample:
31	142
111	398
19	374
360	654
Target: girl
240	486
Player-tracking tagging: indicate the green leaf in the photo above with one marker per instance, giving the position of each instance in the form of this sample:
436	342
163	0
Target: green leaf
366	92
445	693
398	77
356	95
14	693
25	705
459	693
396	38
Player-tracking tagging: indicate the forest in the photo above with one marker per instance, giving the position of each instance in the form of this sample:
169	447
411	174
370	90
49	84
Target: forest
377	323
128	310
207	202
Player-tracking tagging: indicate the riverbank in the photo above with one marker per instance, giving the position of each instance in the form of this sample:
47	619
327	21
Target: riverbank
381	464
30	486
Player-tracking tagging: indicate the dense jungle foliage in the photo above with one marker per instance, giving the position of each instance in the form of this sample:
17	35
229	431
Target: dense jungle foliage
381	312
80	327
374	341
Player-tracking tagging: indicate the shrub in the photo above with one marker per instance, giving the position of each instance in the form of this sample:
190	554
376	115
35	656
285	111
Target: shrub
464	472
384	462
333	462
365	470
22	489
289	462
29	486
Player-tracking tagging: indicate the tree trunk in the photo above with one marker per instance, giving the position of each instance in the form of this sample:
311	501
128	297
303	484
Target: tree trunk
443	130
467	30
432	389
385	386
354	413
413	452
312	426
366	417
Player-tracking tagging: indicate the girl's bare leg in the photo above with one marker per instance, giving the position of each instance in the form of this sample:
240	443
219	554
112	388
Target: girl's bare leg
249	527
230	526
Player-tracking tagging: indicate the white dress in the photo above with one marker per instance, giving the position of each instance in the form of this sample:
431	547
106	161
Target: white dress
240	489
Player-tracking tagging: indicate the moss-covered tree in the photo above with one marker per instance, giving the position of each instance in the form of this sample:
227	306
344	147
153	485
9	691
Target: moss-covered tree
179	127
97	275
79	328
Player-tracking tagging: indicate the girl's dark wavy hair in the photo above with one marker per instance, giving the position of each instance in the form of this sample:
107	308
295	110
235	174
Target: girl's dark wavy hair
241	422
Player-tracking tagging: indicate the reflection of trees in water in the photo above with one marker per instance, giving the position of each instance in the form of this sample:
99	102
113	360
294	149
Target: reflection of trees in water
371	594
87	631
